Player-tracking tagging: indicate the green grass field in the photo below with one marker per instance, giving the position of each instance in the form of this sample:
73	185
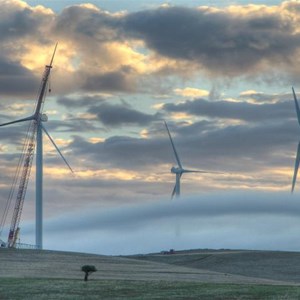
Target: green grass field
201	274
39	289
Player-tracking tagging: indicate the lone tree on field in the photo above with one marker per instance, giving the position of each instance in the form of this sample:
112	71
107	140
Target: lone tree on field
87	269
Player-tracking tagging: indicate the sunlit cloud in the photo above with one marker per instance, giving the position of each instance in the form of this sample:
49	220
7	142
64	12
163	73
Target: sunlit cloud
51	112
85	116
18	109
181	116
105	174
89	6
144	133
191	92
248	93
95	140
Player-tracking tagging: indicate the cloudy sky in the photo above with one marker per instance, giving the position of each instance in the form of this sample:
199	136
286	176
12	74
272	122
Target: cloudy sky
219	72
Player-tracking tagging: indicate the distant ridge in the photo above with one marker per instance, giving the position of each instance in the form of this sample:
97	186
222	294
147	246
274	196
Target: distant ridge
273	265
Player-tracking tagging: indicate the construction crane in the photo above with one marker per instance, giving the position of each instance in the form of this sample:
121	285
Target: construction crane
28	158
25	163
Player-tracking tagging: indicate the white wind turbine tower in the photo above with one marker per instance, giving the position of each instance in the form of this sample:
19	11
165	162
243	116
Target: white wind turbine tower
298	150
34	137
179	170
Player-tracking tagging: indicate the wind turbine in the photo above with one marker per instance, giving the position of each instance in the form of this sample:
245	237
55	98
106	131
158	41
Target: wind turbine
298	150
179	170
35	137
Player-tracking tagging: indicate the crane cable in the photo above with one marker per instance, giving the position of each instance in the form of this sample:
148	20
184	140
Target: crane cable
15	180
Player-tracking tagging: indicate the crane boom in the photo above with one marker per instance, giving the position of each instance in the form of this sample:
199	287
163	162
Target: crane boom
28	158
43	87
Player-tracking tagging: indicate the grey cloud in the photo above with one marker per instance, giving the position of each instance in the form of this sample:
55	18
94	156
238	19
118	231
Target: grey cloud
82	102
122	80
235	110
220	41
82	22
217	41
264	98
90	31
241	148
13	134
72	124
259	144
122	151
18	22
12	75
118	115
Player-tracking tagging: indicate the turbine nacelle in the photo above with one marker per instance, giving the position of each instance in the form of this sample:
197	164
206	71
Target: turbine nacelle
43	117
40	117
177	170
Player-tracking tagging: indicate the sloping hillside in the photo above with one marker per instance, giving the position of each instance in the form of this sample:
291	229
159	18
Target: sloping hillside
54	264
273	265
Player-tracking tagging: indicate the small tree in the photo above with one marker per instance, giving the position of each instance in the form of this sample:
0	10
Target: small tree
87	269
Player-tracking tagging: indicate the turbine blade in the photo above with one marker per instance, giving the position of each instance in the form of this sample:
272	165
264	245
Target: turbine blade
18	121
175	186
57	149
201	171
173	146
296	167
297	106
174	191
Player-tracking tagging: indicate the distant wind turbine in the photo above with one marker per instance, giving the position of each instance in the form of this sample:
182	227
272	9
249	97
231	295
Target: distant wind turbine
298	150
35	137
179	170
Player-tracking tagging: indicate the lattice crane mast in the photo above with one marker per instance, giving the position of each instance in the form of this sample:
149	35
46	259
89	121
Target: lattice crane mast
25	174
